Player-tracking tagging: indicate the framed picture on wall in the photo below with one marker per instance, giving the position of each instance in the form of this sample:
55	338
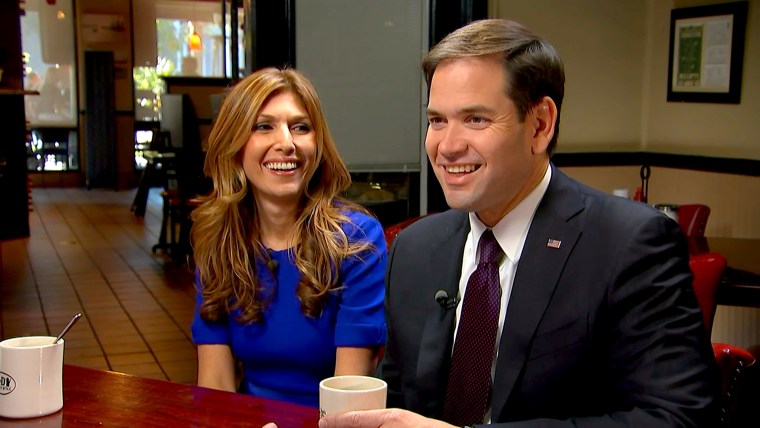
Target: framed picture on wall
707	53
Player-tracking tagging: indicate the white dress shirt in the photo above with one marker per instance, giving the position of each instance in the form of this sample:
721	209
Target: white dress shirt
510	233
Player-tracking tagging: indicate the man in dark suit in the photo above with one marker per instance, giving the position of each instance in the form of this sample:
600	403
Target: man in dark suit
597	322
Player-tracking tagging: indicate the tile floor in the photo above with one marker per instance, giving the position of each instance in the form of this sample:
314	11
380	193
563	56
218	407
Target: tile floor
89	253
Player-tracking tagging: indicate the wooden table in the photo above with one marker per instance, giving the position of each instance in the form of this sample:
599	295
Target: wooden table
740	284
101	398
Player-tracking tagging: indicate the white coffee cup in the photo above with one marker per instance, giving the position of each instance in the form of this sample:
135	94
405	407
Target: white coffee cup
347	393
31	376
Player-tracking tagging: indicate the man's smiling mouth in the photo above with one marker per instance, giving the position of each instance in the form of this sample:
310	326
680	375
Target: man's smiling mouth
460	169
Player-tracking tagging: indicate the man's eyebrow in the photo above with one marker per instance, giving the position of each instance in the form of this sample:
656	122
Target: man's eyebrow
431	112
475	109
464	110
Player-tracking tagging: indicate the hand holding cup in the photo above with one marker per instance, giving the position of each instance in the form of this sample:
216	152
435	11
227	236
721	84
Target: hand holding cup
347	393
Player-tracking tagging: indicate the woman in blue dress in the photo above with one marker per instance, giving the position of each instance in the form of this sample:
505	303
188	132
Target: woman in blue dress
289	274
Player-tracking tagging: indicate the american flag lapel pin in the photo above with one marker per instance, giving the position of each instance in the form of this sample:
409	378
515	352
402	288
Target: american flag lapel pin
553	243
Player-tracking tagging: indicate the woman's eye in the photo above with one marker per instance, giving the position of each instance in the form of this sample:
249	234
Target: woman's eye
262	127
303	128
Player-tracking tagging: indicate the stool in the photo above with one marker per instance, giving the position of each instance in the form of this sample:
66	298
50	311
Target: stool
171	218
183	248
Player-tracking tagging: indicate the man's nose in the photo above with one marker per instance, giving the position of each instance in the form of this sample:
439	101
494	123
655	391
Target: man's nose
452	141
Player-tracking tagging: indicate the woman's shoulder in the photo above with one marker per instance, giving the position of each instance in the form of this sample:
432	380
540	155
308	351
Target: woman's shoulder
355	214
359	219
360	226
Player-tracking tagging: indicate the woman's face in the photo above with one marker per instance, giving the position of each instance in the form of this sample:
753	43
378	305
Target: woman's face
280	152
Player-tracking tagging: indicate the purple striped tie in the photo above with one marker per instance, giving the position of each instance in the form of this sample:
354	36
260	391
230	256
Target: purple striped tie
469	387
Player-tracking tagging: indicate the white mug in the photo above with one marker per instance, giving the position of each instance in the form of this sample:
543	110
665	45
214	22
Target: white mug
347	393
31	376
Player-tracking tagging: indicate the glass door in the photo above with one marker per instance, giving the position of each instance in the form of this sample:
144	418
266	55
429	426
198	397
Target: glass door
47	40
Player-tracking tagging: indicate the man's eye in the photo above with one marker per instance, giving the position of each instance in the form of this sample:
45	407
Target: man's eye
436	122
477	121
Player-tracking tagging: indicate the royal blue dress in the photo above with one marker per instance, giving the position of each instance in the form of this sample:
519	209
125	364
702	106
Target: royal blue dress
287	354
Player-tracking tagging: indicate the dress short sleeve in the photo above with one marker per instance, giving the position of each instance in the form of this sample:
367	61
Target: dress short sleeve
361	317
205	332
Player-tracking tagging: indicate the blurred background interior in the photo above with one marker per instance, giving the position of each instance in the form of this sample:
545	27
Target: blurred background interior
106	107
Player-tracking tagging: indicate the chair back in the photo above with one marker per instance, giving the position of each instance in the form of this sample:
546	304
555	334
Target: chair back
693	219
392	231
707	269
733	363
161	141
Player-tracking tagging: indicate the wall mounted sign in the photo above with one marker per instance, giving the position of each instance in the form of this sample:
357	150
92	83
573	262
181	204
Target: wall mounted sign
707	53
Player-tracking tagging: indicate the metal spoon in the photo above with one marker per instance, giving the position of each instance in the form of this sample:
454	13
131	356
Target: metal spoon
74	319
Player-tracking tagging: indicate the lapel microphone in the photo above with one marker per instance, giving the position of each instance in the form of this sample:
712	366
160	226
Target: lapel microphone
446	302
271	263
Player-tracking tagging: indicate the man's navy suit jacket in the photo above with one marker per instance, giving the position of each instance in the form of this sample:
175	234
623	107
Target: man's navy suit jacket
603	331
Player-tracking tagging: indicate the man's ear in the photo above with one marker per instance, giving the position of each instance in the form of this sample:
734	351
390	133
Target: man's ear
543	117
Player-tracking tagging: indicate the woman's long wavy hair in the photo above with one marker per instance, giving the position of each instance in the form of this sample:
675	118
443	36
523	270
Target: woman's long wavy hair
226	235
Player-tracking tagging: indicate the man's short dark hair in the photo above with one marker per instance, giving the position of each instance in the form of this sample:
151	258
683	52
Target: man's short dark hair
532	65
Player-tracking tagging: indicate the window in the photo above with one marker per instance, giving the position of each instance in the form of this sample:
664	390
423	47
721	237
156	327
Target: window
149	86
178	21
47	42
47	39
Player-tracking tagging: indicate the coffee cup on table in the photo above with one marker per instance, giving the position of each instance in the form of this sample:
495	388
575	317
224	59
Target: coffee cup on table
31	376
348	393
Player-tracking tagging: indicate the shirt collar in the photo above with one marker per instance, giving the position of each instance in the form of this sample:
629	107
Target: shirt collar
512	229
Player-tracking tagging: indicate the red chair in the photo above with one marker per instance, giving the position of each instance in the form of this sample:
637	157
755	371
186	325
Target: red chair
707	269
392	231
693	219
733	362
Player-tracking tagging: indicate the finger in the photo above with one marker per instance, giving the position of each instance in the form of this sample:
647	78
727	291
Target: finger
360	419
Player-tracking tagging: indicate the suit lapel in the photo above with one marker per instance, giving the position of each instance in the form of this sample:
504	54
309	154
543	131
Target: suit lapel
538	272
443	270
